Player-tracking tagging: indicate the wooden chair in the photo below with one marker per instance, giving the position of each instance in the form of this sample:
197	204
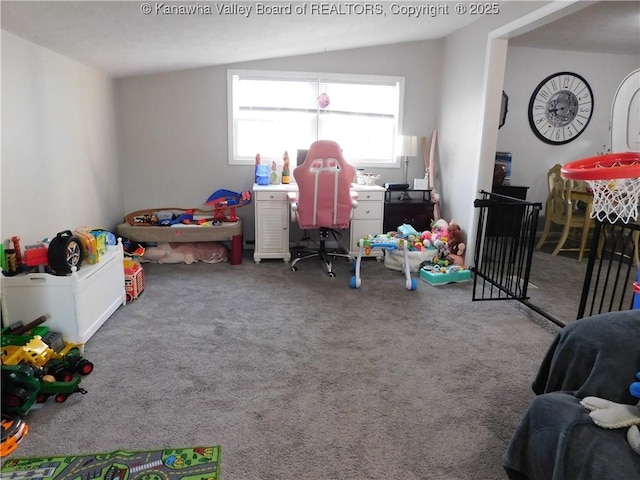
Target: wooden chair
560	209
621	242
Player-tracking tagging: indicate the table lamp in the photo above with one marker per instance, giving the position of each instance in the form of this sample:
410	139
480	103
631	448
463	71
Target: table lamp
408	148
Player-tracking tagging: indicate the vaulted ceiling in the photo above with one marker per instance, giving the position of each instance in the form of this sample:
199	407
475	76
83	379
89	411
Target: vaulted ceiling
124	38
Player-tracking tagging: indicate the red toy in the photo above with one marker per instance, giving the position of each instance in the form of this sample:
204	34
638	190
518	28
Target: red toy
35	255
133	279
16	246
225	202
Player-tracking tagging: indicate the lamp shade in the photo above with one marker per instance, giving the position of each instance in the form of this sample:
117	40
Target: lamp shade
408	146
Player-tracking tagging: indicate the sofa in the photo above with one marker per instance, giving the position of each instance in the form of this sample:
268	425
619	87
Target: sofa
557	439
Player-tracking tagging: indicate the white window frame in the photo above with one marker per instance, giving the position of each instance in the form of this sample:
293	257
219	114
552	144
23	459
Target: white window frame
393	161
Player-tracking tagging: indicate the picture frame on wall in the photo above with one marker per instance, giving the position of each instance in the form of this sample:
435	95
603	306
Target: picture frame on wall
502	169
504	108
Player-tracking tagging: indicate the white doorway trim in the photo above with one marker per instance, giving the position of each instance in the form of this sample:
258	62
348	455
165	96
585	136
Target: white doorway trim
495	63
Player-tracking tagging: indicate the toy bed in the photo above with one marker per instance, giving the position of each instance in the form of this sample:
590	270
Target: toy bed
137	229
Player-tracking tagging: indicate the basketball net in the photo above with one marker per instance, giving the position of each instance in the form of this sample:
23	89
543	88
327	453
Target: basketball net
615	183
615	199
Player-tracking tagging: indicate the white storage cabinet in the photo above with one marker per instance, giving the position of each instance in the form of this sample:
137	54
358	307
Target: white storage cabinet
75	305
272	222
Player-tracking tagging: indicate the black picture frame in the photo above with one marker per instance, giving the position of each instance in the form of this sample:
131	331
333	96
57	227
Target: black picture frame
504	108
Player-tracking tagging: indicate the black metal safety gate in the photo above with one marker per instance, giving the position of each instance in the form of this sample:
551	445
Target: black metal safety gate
505	241
612	269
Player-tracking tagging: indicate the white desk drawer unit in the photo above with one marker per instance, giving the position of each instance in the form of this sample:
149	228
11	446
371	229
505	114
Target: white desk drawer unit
76	305
273	217
367	210
272	221
367	217
261	196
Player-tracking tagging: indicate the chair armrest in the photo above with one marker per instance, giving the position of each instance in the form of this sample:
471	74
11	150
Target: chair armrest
354	202
293	201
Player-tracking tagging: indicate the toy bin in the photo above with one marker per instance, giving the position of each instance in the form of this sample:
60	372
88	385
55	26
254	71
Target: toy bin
449	275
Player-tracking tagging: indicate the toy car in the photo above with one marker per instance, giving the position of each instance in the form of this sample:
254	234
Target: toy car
14	429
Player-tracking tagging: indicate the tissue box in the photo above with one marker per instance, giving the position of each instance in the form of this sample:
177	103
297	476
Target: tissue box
436	277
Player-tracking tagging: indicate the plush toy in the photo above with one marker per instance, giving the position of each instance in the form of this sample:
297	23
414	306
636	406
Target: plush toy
185	252
454	243
439	228
607	414
425	237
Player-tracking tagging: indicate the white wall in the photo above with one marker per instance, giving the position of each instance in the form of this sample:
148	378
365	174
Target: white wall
525	69
173	126
467	133
59	155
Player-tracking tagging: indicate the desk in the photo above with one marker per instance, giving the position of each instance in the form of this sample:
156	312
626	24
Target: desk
273	217
417	212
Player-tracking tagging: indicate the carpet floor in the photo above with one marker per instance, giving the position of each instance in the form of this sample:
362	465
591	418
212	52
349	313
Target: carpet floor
297	376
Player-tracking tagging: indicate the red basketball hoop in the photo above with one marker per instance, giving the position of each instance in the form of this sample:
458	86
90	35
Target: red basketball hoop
615	181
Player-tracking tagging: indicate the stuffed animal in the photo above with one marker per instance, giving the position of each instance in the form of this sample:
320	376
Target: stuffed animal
607	414
454	242
439	229
185	252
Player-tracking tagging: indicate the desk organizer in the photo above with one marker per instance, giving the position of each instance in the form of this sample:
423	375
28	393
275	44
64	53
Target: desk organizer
450	275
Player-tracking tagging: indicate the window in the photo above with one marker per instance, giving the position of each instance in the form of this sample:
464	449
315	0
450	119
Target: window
274	112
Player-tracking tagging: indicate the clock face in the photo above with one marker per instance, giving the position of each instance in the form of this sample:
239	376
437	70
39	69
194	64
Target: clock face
560	108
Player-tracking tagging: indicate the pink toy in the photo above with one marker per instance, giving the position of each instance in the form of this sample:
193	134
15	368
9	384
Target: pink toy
186	252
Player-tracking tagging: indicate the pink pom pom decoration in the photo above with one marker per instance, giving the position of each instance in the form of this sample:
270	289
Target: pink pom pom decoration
323	100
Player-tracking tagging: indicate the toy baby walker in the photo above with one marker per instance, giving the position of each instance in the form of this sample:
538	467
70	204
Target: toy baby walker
383	241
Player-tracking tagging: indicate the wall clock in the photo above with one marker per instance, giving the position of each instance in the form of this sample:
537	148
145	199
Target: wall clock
560	108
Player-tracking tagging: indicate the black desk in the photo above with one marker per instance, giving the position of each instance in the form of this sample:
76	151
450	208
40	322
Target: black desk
417	212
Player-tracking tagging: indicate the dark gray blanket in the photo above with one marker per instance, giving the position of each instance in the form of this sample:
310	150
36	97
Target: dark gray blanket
556	440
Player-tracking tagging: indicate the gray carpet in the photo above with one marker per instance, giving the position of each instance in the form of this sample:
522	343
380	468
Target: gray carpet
556	283
297	376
